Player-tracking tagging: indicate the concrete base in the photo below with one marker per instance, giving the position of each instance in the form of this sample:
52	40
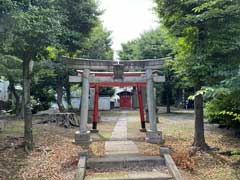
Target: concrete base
94	130
82	138
143	130
154	137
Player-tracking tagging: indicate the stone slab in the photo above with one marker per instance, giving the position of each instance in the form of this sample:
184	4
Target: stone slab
121	161
122	146
122	149
137	176
81	169
164	150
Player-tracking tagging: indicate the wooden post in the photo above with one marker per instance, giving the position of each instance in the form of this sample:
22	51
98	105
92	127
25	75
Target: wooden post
141	109
95	109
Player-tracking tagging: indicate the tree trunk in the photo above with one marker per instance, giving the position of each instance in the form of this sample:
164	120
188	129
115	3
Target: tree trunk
28	136
68	94
183	98
199	139
168	97
17	97
59	90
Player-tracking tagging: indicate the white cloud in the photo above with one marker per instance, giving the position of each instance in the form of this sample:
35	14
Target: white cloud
127	19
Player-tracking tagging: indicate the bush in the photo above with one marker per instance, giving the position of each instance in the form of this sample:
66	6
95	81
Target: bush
224	109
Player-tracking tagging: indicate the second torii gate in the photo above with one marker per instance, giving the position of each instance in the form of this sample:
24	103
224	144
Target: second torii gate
102	79
116	77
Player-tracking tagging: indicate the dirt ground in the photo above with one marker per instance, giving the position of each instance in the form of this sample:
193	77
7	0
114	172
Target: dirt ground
55	156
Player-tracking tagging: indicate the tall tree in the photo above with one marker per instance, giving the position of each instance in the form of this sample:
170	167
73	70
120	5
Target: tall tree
207	39
32	26
80	17
150	45
98	44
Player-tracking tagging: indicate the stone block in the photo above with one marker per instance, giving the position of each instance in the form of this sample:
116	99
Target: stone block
154	137
164	150
94	130
82	138
143	130
84	153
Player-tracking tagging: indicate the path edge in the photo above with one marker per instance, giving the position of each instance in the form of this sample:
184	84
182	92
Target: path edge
165	153
81	168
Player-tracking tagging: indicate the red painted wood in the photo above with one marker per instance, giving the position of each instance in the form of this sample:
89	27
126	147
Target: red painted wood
121	84
125	101
140	102
95	109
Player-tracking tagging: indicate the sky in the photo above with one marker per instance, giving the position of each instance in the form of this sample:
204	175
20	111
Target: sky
127	19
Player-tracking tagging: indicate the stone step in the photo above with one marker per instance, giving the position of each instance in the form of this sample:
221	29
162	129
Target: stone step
125	161
131	176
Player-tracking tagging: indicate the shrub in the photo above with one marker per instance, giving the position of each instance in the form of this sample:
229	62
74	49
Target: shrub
224	109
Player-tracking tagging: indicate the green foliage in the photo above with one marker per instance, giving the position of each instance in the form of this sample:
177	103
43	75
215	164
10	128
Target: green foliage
106	91
34	26
224	103
79	18
42	85
98	44
224	109
40	30
207	37
10	67
150	45
130	51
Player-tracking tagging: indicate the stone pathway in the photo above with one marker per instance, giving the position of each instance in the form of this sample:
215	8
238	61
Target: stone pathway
119	144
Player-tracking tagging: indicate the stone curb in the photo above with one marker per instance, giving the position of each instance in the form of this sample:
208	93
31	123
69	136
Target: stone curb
164	152
81	168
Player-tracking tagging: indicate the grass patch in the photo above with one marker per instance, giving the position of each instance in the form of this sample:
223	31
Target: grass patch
105	131
13	128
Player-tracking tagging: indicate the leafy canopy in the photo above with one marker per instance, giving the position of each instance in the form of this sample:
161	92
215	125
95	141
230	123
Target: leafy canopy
207	34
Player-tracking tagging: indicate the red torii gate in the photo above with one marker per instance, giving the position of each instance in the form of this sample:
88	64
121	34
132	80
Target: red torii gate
97	85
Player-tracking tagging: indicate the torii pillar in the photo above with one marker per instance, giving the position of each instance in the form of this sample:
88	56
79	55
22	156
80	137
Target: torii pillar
141	108
95	110
152	135
83	136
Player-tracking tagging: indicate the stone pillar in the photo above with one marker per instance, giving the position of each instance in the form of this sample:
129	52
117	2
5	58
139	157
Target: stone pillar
153	135
134	99
83	136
